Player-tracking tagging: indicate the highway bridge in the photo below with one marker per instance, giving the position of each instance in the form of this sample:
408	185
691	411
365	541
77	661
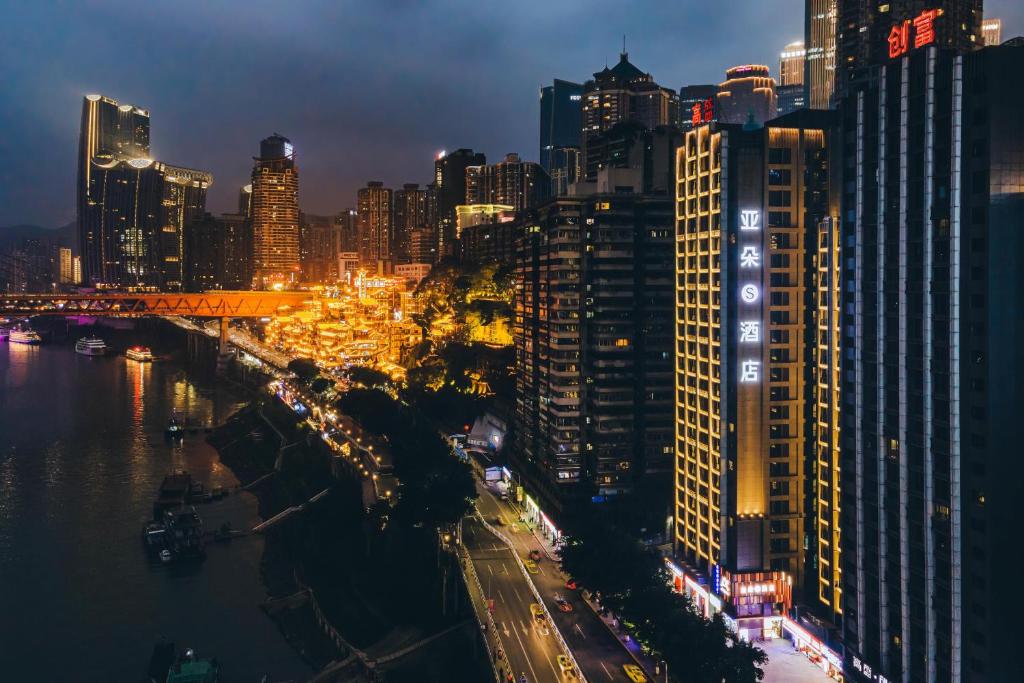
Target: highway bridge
129	305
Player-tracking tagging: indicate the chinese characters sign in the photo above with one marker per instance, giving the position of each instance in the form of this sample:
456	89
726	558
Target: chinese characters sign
703	112
750	294
923	33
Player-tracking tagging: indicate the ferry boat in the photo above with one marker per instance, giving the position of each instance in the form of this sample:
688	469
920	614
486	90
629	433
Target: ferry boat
91	346
24	337
141	354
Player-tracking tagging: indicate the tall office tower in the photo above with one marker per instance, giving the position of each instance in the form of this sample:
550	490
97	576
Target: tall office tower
622	93
749	205
110	133
138	224
513	182
791	64
245	200
820	52
218	253
748	91
561	106
931	375
868	32
697	104
593	340
423	244
411	207
348	231
317	242
275	214
992	31
376	224
67	269
450	190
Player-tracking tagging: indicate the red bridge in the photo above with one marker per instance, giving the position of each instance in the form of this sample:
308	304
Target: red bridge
207	305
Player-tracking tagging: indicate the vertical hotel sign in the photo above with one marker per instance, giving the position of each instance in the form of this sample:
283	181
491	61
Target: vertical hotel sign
751	264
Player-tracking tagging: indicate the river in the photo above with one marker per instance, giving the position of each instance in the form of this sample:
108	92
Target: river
82	456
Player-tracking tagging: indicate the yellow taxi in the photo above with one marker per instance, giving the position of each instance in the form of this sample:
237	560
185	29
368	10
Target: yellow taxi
536	610
531	566
635	673
565	666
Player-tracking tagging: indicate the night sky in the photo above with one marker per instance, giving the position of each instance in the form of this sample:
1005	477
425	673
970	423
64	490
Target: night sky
366	90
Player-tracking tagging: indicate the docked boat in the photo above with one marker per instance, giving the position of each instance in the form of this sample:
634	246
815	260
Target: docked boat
141	354
91	346
24	337
174	430
189	668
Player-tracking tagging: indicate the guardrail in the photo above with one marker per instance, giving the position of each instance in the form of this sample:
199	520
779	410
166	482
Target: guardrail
468	570
536	594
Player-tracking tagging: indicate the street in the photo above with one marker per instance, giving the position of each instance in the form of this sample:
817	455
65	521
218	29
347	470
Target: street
599	652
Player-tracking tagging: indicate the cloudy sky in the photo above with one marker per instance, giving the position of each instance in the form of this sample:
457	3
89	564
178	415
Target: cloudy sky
365	89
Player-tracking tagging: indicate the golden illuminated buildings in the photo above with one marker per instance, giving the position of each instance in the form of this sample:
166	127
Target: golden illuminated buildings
66	265
376	225
820	55
791	91
622	93
750	203
992	31
275	214
748	91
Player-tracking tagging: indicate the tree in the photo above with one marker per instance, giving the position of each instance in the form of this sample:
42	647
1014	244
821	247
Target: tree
303	368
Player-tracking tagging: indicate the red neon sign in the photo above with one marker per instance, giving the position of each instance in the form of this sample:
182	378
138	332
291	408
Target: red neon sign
924	33
703	112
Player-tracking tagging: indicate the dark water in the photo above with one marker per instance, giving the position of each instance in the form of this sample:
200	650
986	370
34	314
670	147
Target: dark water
82	455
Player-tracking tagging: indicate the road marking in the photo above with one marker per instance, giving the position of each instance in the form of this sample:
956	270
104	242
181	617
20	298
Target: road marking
610	677
553	669
526	631
527	657
501	596
504	629
489	570
581	631
505	567
516	591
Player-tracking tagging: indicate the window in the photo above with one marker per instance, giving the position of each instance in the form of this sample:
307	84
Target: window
779	176
780	155
783	198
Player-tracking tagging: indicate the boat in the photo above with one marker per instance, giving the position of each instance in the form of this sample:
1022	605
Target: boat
91	346
141	354
153	534
189	668
24	337
174	430
165	556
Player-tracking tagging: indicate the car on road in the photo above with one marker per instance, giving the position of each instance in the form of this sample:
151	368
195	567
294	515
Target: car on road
563	604
565	666
531	566
570	585
635	673
537	611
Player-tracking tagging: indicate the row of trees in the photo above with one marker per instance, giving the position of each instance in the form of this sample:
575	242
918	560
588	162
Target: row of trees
633	582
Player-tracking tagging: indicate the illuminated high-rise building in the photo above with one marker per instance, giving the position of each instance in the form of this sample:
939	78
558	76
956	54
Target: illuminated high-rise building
450	190
110	133
931	365
622	93
245	200
992	31
747	92
512	182
376	224
750	203
275	214
67	268
791	64
820	52
411	211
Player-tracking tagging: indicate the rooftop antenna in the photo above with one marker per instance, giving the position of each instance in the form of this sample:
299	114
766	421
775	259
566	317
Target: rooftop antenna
624	44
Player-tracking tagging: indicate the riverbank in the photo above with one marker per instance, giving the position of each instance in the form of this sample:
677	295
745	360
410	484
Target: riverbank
379	588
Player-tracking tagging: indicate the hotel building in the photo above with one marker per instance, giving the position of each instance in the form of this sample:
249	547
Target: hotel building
275	214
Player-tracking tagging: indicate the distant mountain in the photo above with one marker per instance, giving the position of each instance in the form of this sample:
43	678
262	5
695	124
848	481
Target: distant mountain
64	236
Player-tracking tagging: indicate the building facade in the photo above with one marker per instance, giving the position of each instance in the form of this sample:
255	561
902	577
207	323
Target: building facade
450	190
749	203
697	104
792	61
820	52
412	209
375	206
991	31
622	93
318	240
218	253
561	106
748	91
513	182
275	214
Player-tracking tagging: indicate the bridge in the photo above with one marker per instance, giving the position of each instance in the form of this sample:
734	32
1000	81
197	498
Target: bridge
120	304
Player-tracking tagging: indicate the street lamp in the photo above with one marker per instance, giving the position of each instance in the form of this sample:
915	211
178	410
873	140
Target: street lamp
659	665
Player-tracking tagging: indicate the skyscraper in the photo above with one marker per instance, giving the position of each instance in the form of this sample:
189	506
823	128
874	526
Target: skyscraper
317	240
820	54
931	364
749	205
275	213
748	91
992	31
376	224
218	253
561	106
450	188
791	64
622	93
870	33
411	211
110	133
513	182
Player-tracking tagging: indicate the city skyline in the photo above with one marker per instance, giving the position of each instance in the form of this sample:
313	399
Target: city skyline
208	118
